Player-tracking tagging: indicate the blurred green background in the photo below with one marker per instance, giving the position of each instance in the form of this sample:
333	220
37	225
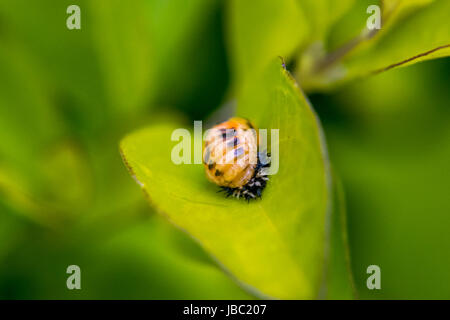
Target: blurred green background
68	96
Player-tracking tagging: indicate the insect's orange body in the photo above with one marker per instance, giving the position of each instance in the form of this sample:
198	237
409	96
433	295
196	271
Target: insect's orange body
230	153
231	159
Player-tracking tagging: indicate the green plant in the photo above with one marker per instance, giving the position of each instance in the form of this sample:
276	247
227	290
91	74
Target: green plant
68	96
279	247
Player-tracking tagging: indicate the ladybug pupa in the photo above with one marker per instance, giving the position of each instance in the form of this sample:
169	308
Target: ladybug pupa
232	160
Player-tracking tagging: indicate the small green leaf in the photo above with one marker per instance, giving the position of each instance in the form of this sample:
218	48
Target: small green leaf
422	36
412	31
393	10
276	245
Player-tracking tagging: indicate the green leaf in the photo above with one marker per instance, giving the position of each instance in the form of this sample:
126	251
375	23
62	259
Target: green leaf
412	31
351	25
125	51
422	36
393	10
274	246
321	14
339	277
258	33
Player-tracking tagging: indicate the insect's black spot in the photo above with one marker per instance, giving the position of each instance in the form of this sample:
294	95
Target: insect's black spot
228	134
249	124
218	173
238	152
233	143
211	165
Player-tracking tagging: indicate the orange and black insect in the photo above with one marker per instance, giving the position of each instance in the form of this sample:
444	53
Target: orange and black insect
232	160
